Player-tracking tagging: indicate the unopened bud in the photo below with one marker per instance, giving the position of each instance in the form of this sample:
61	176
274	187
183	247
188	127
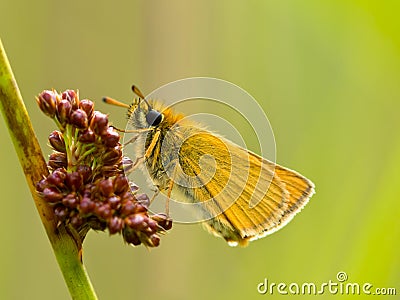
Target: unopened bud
57	141
87	106
79	118
47	101
99	123
63	112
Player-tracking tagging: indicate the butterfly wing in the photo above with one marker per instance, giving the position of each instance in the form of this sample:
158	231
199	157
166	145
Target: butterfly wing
243	196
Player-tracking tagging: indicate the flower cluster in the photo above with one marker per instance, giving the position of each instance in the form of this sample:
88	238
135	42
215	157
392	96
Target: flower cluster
87	186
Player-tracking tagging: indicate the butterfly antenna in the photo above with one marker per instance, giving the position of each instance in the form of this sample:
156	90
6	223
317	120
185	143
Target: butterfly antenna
136	90
112	101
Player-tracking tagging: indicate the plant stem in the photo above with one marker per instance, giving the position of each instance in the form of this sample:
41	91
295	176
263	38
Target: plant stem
66	246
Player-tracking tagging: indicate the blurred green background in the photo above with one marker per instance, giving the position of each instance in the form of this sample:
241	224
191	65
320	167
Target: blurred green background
327	75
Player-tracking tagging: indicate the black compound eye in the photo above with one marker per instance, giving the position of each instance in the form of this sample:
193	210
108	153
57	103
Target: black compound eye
154	117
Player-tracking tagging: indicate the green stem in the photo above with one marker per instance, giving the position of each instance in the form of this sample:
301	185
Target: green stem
67	249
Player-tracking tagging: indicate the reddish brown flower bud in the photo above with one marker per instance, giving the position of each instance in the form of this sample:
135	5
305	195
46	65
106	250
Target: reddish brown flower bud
136	222
121	184
52	194
69	95
99	123
112	156
143	199
87	205
162	220
63	112
57	178
127	164
154	240
57	141
85	172
87	136
58	160
127	196
70	200
133	187
127	208
87	106
109	171
97	224
153	226
41	185
47	101
131	237
61	212
115	225
114	201
110	138
74	181
79	119
106	187
139	208
76	221
103	211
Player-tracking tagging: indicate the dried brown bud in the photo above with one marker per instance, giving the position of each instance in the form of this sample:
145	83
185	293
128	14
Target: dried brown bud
76	221
106	187
133	186
52	194
63	112
162	220
114	201
87	206
79	119
61	212
87	106
57	178
136	221
115	225
154	240
121	184
143	199
139	208
103	211
69	95
109	171
85	172
87	136
70	200
57	141
131	237
47	101
127	164
99	123
127	196
58	160
74	181
41	185
110	138
127	208
112	156
153	226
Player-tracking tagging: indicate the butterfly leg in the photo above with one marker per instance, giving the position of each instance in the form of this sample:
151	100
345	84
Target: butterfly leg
171	183
132	140
156	191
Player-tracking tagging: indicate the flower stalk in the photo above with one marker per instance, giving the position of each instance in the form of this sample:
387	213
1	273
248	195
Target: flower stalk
66	246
